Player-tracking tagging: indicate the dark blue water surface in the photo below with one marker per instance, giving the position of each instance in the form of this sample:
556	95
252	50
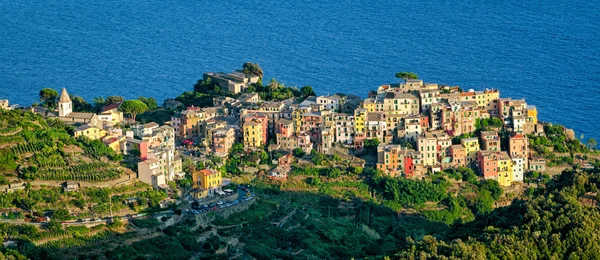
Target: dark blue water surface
545	51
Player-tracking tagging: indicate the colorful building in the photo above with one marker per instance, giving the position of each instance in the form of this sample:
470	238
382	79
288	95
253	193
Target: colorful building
427	146
471	146
505	169
532	115
490	140
206	182
360	116
223	140
488	164
254	131
89	131
518	146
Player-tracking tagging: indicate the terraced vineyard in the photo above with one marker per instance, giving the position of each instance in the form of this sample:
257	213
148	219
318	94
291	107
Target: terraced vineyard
32	149
96	171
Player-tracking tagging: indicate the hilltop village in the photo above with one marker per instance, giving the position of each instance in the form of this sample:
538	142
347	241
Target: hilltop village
221	170
414	128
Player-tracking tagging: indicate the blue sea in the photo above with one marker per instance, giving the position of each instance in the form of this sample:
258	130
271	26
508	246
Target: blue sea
547	52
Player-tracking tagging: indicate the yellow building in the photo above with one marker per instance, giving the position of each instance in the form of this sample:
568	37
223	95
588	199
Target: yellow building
297	118
360	114
471	146
111	115
490	99
372	105
532	114
207	182
401	103
505	169
114	143
253	133
91	132
389	159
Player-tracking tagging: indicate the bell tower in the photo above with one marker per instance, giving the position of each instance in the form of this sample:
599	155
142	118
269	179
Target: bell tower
65	105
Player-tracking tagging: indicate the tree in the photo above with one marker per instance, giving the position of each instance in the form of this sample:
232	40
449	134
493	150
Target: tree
316	157
61	214
252	69
133	108
371	143
150	102
406	75
298	152
274	85
592	143
114	100
98	103
48	97
80	105
307	91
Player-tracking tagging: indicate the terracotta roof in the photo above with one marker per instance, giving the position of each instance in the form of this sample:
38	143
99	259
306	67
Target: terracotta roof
207	172
517	136
110	107
64	96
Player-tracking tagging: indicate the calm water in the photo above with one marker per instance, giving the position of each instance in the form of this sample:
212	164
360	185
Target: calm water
547	52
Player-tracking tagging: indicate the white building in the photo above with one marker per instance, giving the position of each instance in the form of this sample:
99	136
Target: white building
161	137
329	102
170	166
145	129
4	104
344	129
428	97
149	171
426	145
518	168
518	123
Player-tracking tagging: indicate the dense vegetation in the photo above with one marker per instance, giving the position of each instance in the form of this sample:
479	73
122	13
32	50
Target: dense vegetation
558	222
294	224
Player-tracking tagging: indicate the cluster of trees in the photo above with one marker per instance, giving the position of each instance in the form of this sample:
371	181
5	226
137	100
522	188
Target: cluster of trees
554	224
133	107
486	123
238	156
406	75
556	141
410	192
252	69
205	90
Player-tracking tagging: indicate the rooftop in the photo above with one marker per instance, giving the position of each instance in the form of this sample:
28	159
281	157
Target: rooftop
64	96
80	115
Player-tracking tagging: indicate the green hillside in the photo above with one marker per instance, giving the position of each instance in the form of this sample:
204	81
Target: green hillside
33	148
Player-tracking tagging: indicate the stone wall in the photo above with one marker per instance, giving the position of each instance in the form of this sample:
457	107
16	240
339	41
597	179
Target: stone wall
204	219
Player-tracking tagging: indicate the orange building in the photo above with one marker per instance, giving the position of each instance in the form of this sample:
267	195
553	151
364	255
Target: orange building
488	164
518	146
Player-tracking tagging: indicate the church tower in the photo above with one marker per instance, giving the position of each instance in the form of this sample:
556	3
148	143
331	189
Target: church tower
65	106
